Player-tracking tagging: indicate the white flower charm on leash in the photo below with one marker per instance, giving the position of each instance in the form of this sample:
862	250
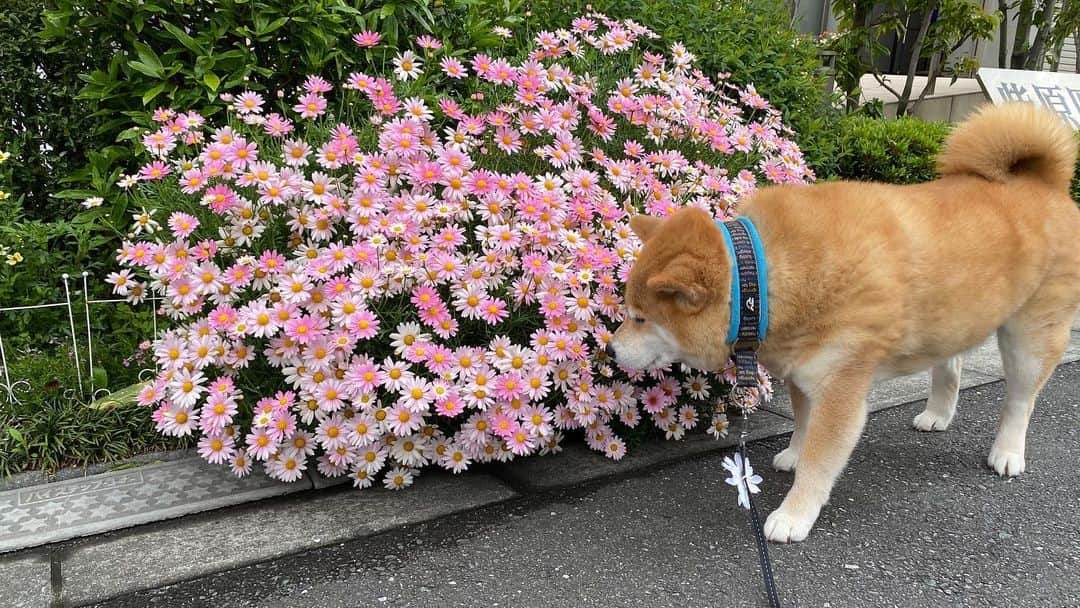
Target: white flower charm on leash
742	477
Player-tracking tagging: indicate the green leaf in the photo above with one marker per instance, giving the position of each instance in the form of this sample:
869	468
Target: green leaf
387	10
149	70
17	436
272	26
147	56
100	376
75	194
152	93
211	80
189	43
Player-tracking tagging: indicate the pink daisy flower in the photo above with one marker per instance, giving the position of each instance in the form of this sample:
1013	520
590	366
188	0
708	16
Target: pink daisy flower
217	448
428	42
260	445
402	421
332	432
450	405
289	466
454	69
248	102
240	464
178	420
367	39
311	105
364	325
217	413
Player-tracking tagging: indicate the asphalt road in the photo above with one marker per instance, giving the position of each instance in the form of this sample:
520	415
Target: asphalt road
917	520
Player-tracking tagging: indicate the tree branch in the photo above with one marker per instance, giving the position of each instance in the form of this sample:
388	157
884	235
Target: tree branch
916	54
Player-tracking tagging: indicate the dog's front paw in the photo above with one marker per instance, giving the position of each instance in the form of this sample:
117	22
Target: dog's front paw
1007	463
786	460
783	526
931	421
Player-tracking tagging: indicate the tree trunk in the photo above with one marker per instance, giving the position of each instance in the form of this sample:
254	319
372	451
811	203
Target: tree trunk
1056	53
932	75
858	23
1045	23
1003	37
913	62
859	18
1076	47
1025	15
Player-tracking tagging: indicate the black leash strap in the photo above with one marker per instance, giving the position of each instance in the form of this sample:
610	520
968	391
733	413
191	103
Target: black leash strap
762	544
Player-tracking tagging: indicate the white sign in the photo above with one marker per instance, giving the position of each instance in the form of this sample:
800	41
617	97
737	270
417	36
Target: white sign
1058	91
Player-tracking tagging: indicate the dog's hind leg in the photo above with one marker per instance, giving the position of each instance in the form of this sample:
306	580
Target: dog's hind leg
944	391
788	458
1031	345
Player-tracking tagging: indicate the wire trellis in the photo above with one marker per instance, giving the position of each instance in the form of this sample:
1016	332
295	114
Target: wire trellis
10	388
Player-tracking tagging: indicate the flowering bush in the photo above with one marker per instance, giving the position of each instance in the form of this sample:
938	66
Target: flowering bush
425	270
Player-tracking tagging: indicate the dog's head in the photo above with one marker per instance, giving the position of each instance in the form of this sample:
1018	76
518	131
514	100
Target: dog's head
677	294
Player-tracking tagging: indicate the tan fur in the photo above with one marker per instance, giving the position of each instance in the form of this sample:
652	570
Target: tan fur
869	281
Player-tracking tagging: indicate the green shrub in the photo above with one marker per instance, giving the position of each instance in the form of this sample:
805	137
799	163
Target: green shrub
901	151
181	53
48	132
51	428
751	39
1074	188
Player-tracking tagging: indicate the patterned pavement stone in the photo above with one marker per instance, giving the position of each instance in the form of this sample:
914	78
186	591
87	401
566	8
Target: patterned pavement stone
986	358
79	507
982	365
891	393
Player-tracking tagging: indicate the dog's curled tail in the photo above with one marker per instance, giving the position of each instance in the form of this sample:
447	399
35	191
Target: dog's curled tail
1009	140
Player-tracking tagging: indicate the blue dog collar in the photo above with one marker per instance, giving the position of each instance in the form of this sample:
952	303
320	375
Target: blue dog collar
749	293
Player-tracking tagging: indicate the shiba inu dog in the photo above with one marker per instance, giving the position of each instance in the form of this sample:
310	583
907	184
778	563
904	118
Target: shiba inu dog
869	281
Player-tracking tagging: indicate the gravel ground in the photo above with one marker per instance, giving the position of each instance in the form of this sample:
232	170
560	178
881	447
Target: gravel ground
917	520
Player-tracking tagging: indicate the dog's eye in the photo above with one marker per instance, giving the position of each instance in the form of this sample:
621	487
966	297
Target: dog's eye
639	320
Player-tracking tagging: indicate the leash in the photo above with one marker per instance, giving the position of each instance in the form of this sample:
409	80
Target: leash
748	325
756	526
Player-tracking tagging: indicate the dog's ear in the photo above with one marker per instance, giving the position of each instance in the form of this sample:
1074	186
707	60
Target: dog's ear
644	225
679	283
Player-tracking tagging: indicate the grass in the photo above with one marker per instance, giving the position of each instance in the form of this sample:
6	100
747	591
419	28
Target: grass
52	428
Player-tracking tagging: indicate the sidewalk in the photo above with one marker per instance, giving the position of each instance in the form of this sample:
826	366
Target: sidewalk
917	520
199	546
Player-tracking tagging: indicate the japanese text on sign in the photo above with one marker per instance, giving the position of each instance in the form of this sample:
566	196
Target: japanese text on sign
1057	91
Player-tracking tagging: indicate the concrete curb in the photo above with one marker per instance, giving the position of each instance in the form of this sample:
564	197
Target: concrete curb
194	547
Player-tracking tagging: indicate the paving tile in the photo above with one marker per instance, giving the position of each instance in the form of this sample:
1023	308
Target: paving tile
886	394
214	542
577	464
33	478
986	359
25	581
1072	352
79	507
